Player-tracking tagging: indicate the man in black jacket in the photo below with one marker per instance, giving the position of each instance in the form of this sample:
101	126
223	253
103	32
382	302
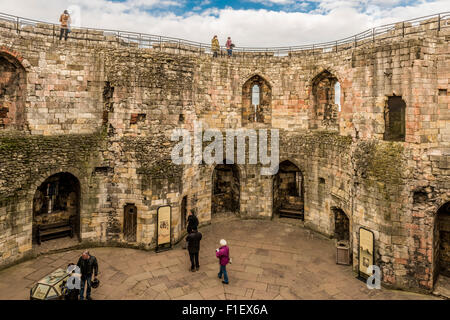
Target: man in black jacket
193	240
88	265
192	222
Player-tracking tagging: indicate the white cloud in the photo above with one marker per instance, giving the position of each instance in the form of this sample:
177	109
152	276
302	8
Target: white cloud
332	20
145	4
272	2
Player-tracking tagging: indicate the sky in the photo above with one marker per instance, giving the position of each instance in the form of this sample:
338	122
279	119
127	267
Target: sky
256	23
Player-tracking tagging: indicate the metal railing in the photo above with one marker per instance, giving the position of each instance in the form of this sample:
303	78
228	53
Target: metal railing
142	40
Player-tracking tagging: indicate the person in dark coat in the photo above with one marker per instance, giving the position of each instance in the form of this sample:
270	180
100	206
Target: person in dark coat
88	266
193	240
192	221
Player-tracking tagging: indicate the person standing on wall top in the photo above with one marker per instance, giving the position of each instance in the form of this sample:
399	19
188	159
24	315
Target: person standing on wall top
193	240
223	253
65	22
88	266
215	46
230	47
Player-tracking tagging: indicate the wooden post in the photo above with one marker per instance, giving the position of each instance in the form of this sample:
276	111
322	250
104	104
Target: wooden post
439	22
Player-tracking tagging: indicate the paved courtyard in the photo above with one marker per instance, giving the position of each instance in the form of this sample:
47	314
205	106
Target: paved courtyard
271	260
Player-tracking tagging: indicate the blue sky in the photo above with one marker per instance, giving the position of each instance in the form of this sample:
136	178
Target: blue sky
189	7
248	22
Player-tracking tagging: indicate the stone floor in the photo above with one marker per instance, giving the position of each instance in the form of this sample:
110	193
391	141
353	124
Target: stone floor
55	245
271	260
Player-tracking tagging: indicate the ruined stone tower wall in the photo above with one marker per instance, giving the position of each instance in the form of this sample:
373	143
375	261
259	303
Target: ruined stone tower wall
105	112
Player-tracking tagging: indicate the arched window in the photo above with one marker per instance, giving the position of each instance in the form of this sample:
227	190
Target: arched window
255	95
337	95
12	92
256	101
326	101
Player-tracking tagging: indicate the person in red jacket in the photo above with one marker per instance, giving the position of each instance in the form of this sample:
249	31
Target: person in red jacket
223	253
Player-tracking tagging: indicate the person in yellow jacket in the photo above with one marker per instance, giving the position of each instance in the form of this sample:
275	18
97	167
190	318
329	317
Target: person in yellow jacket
215	47
65	24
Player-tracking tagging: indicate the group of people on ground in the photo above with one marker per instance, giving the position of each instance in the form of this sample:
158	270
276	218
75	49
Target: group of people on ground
85	272
87	267
193	245
215	46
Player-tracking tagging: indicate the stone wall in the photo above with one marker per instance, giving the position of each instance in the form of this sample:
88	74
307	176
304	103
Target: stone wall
104	111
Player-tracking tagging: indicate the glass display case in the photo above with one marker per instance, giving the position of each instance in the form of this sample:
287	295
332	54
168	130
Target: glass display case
50	287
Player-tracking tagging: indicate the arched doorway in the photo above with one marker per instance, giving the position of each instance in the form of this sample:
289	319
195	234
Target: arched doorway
288	191
225	189
56	205
130	223
183	213
341	225
441	255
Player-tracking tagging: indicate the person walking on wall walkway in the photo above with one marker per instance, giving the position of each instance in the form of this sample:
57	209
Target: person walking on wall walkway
215	46
65	23
193	240
223	253
230	47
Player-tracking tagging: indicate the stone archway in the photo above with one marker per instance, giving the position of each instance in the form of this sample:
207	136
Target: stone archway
441	245
288	191
341	225
57	201
225	190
